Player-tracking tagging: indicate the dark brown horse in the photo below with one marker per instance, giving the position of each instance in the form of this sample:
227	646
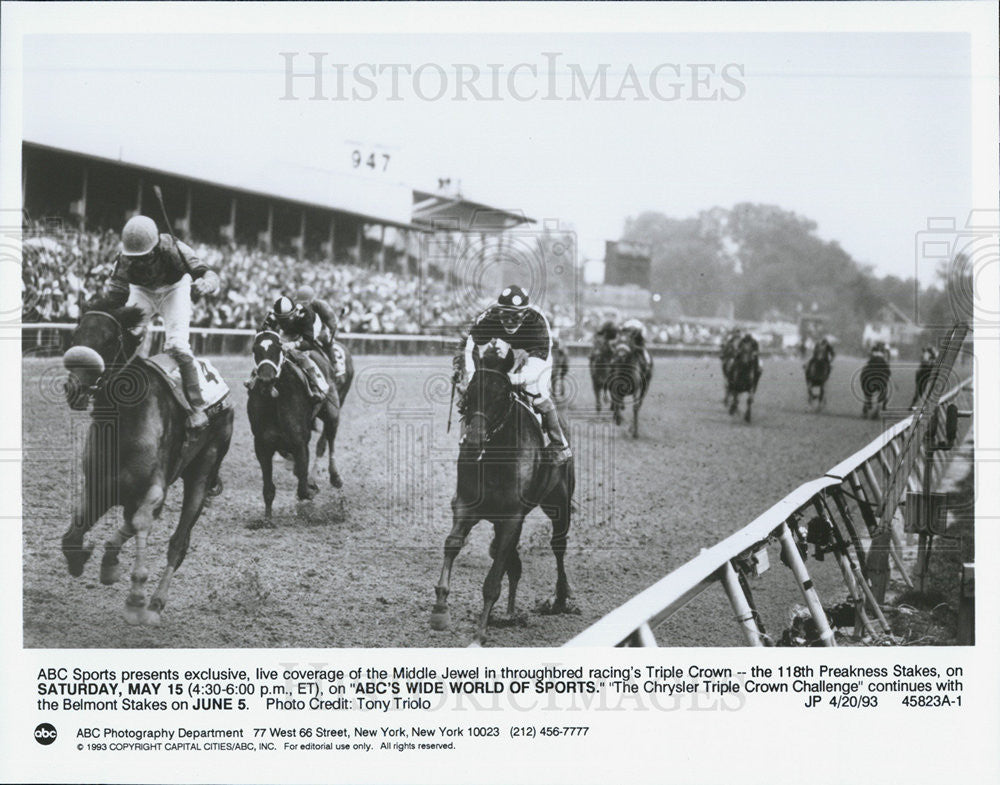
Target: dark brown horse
631	374
560	369
925	374
742	371
136	447
876	381
600	370
281	413
503	473
818	372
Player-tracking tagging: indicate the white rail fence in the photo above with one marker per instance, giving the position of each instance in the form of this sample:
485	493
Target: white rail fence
51	337
840	511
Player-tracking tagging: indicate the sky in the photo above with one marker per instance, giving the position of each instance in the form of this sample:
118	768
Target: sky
867	134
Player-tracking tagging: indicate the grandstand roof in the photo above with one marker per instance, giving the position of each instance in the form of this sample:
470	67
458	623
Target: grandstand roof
370	201
436	210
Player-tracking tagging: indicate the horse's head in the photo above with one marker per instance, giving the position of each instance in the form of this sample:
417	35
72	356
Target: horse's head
747	349
103	339
267	359
621	350
488	397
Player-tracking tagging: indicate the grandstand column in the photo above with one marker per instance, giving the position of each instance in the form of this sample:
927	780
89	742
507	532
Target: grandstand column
381	248
360	241
79	207
333	237
267	235
302	235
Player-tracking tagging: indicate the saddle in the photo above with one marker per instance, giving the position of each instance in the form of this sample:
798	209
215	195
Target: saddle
214	390
339	360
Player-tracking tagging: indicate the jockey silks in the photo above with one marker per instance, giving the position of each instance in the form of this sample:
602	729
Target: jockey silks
164	267
532	336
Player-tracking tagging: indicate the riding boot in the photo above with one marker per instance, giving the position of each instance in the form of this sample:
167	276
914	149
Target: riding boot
192	390
319	386
557	441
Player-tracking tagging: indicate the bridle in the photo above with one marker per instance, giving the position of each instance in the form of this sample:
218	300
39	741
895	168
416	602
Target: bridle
106	375
495	425
266	361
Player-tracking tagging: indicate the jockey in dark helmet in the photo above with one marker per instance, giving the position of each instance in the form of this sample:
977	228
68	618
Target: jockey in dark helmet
316	309
155	273
523	327
300	329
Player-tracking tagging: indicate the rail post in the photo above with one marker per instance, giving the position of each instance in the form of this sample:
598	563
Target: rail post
793	559
741	607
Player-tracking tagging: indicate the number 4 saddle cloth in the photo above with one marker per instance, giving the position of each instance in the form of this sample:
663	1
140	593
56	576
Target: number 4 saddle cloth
214	390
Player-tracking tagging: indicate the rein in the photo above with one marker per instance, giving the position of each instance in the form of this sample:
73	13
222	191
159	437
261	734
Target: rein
494	429
106	376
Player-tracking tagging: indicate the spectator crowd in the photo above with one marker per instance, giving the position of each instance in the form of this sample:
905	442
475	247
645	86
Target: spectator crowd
62	270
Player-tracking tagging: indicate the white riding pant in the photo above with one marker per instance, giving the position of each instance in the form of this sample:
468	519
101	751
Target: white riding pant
536	376
173	304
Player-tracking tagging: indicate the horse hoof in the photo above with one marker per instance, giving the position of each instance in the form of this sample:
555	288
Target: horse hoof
151	618
441	620
475	645
335	481
111	574
262	523
76	558
135	615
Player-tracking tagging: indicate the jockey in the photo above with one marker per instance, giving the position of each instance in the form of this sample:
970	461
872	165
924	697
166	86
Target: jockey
635	332
522	327
305	296
607	332
155	273
730	342
301	329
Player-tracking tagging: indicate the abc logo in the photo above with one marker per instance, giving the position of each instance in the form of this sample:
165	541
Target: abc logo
45	733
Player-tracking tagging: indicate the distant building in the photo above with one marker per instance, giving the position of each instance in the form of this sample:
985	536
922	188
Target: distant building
626	263
892	326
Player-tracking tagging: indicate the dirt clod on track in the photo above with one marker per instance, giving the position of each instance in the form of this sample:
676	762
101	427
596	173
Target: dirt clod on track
357	567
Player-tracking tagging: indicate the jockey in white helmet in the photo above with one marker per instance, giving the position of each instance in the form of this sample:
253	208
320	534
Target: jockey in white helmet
524	328
155	273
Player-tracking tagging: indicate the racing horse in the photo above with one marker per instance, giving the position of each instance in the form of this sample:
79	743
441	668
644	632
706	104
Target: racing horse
876	381
137	445
742	372
925	374
560	369
600	370
818	372
504	472
631	374
281	413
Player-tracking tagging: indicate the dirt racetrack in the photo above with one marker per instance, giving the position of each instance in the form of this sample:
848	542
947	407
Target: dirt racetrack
357	567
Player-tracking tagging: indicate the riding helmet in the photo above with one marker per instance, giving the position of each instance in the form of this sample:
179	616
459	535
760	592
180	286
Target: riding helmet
283	307
139	236
513	298
305	294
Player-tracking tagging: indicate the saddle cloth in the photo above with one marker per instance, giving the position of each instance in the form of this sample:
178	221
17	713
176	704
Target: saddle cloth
339	360
214	389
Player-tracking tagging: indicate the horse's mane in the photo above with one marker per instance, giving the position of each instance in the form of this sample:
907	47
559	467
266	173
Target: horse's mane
128	316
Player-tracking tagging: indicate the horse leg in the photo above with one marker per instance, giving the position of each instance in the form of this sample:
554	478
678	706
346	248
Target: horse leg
142	522
110	567
330	424
557	508
514	569
505	542
734	404
196	484
265	457
97	499
746	417
462	522
307	488
598	390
